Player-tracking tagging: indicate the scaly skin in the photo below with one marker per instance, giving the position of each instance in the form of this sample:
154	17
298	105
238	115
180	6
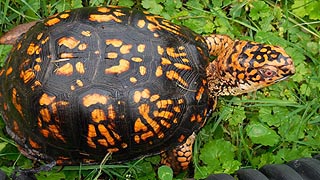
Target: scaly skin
240	67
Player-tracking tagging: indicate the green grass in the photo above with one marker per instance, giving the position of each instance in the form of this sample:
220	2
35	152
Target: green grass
274	125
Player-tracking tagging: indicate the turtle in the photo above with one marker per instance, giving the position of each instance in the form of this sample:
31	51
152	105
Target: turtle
93	81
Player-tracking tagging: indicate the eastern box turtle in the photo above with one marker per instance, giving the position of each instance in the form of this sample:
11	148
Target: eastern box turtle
92	81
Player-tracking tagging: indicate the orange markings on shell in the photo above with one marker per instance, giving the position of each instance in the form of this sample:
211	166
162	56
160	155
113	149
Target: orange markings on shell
52	21
123	66
95	98
103	18
69	42
65	70
98	115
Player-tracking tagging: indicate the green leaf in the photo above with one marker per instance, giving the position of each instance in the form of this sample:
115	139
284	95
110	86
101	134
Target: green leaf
126	3
259	10
152	6
165	173
260	134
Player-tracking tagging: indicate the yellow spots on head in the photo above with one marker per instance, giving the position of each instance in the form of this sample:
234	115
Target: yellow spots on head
83	46
123	66
141	48
98	115
114	42
64	15
172	75
16	102
103	18
80	68
165	61
103	9
133	79
86	33
112	55
95	98
69	42
45	99
159	71
136	59
65	70
125	49
142	70
27	75
141	23
52	21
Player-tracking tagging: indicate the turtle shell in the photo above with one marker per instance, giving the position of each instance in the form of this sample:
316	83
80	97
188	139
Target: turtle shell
98	80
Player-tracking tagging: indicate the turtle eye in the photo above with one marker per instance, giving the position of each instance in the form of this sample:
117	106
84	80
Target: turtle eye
268	73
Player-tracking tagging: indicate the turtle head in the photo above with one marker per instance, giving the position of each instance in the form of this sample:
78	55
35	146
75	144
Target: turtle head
244	66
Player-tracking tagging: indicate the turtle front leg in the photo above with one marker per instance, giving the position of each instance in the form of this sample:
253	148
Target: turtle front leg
180	157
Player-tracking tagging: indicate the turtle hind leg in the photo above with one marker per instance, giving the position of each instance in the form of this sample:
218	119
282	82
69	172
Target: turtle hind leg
180	157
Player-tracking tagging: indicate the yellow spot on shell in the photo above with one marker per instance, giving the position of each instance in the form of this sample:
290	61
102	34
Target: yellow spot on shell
69	42
182	66
32	49
159	71
141	48
39	36
112	55
123	66
142	70
66	55
80	68
52	21
125	49
86	33
172	75
160	50
98	115
95	98
136	59
141	23
154	97
37	67
103	18
9	71
103	9
15	102
27	75
45	99
82	46
133	79
65	70
136	96
45	114
165	61
64	16
114	42
171	52
33	144
104	131
139	126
